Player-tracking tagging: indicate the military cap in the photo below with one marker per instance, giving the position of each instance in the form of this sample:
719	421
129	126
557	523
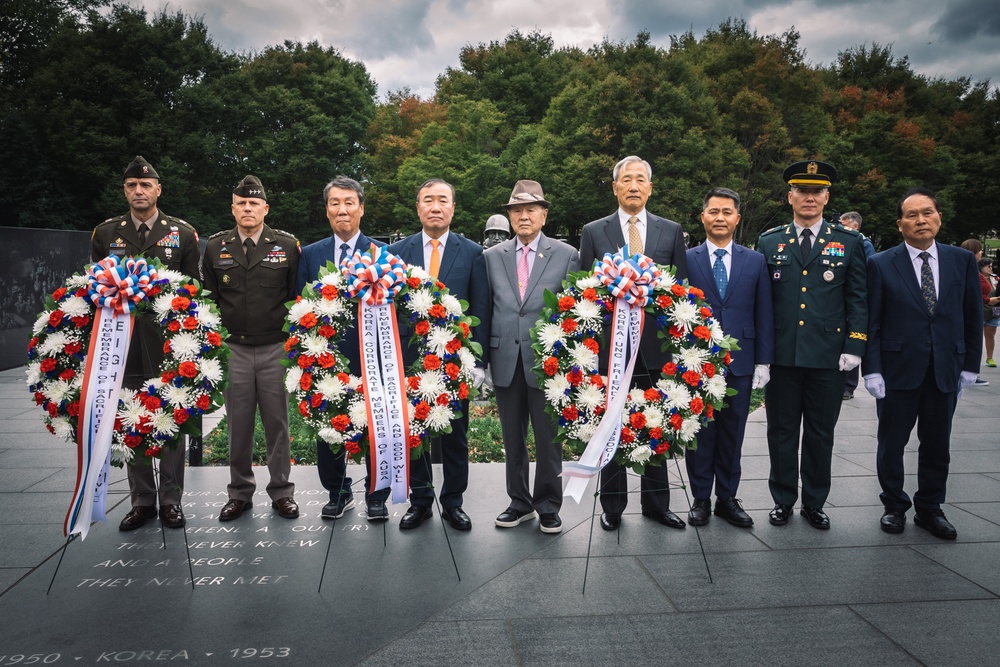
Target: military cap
139	168
250	186
810	174
527	192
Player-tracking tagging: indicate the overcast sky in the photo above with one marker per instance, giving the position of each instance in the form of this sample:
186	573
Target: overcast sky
410	42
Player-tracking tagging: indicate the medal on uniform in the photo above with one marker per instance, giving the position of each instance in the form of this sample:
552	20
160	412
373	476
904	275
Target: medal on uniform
776	275
225	279
828	275
167	252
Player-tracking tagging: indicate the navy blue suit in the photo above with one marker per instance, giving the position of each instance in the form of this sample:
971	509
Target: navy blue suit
920	357
746	313
332	468
463	271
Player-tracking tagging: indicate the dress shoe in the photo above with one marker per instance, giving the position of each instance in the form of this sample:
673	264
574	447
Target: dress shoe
511	517
415	516
377	511
731	509
666	517
848	395
892	521
287	507
701	509
610	521
550	523
934	522
137	517
779	515
457	519
336	508
234	509
172	516
817	518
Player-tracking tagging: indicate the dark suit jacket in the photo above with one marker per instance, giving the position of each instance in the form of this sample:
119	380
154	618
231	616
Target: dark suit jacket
664	245
746	311
463	271
512	319
314	257
903	335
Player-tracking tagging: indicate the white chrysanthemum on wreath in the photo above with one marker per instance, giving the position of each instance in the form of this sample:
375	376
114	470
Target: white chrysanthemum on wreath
421	301
549	335
451	304
164	424
641	454
587	312
588	282
53	344
716	387
299	309
292	377
556	391
685	315
331	308
75	306
42	322
690	428
332	436
185	346
431	385
438	340
583	357
331	387
178	396
439	418
692	358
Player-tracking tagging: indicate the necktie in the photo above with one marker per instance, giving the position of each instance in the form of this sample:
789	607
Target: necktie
344	249
927	282
806	244
435	259
143	233
522	271
248	247
719	269
634	238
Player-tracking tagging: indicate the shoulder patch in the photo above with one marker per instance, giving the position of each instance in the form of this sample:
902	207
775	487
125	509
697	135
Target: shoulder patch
280	232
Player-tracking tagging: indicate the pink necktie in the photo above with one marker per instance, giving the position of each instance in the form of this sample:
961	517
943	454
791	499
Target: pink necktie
522	271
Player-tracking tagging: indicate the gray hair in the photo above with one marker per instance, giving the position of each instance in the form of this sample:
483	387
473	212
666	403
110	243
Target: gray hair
721	192
344	183
853	216
632	158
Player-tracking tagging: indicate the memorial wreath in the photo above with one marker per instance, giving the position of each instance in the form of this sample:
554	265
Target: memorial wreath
192	375
636	427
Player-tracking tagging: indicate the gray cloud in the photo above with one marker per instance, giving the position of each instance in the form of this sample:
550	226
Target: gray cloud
967	18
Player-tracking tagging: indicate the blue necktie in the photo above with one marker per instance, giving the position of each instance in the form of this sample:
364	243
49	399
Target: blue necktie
719	269
344	249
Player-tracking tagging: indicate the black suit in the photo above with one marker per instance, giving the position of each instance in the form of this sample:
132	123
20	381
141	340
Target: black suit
332	468
920	356
664	244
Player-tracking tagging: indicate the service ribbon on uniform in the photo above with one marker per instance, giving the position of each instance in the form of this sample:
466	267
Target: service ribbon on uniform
630	280
375	278
115	287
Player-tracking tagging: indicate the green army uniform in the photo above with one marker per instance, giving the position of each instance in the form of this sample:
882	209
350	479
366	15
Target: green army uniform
820	312
251	294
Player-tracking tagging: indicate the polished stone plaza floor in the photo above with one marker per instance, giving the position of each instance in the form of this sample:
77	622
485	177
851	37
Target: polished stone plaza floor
646	595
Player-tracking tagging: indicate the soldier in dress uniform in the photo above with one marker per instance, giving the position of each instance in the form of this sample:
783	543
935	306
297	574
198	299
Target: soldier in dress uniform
819	287
250	271
147	231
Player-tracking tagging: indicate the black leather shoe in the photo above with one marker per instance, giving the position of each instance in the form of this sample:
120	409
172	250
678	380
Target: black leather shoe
701	509
234	509
415	516
666	517
817	518
377	511
511	517
287	507
848	395
934	522
336	508
550	523
137	518
731	509
172	516
457	519
779	515
610	521
893	521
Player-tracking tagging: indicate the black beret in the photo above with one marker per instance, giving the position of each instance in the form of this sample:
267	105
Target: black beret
139	168
250	187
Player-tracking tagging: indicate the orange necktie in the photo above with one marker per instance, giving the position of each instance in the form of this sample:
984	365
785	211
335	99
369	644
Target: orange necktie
435	258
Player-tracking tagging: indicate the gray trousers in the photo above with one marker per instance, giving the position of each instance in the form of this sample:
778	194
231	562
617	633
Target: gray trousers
142	483
516	404
256	378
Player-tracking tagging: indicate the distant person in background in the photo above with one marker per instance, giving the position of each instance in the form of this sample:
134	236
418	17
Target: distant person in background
852	220
147	231
991	319
976	248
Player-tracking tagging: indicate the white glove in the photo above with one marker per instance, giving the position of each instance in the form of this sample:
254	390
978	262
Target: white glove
848	362
478	376
875	384
966	379
761	376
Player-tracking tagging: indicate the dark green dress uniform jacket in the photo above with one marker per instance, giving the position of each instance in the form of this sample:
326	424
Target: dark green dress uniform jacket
173	242
820	305
252	295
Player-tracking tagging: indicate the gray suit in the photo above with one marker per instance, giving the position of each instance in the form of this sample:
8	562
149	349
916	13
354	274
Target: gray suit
511	360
